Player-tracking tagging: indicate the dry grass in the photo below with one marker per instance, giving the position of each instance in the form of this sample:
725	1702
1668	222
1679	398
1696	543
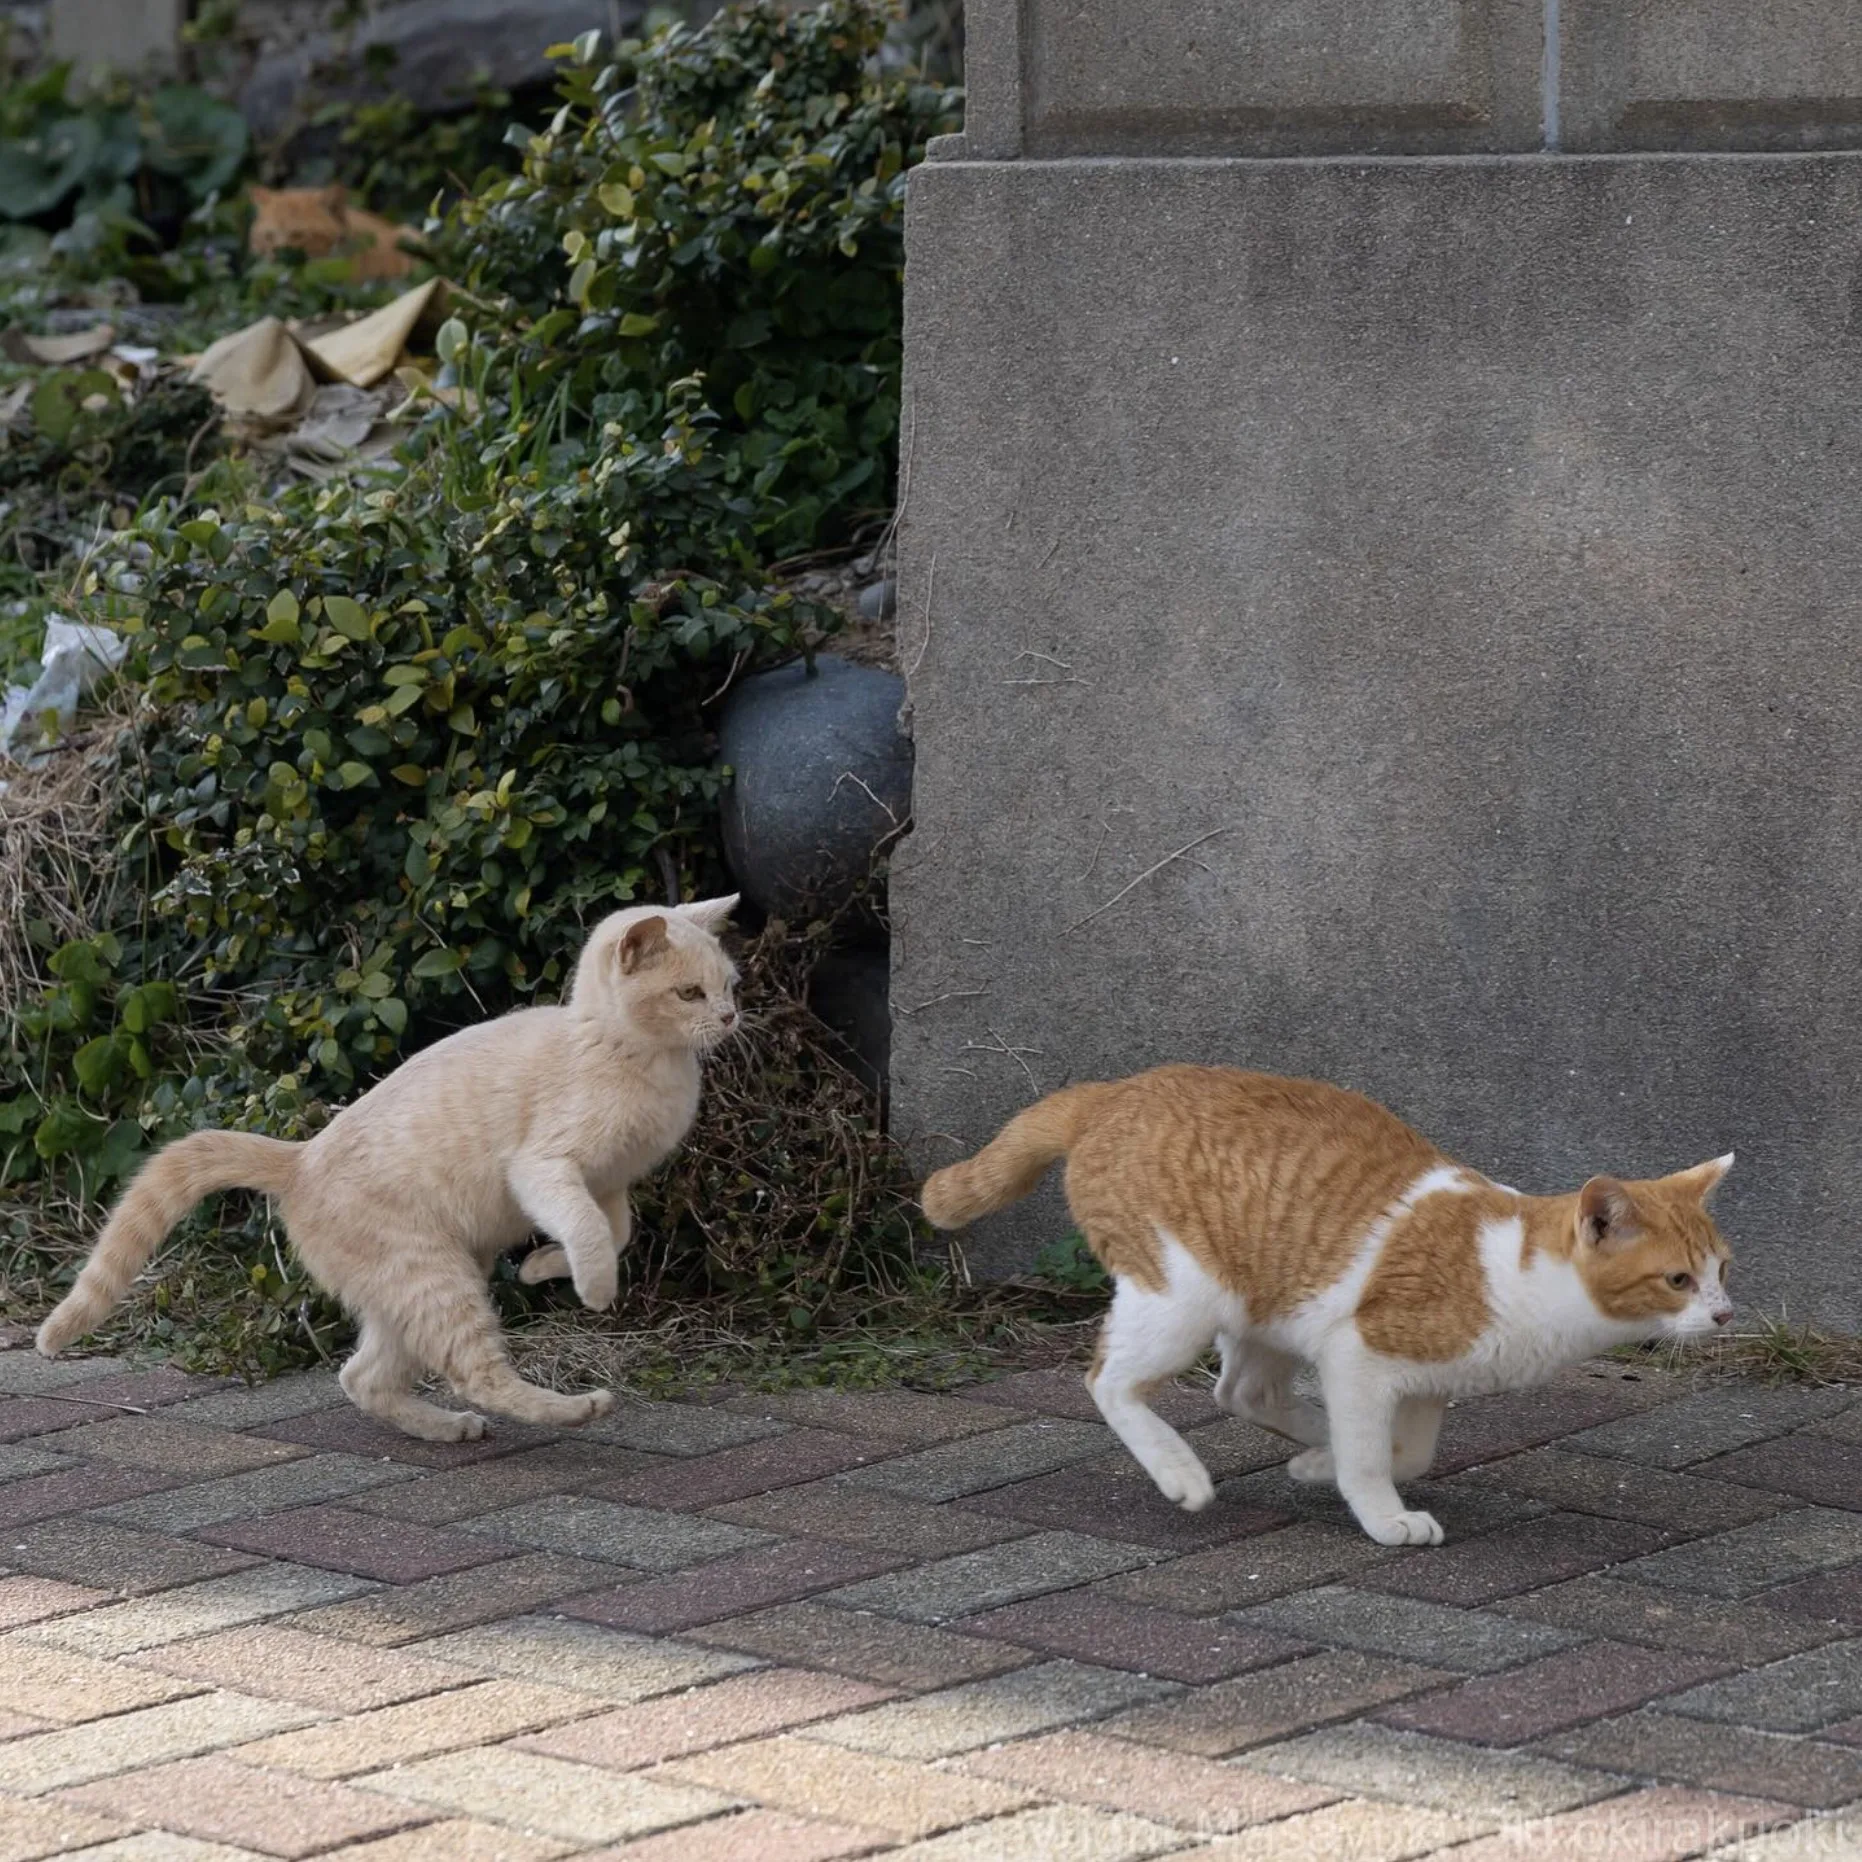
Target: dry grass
783	1242
1773	1349
55	856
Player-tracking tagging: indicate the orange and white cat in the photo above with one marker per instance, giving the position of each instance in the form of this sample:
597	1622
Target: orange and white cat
1290	1222
317	221
542	1119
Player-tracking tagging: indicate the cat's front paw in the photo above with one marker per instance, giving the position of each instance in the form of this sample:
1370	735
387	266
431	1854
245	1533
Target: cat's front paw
599	1288
1405	1529
1313	1468
1184	1480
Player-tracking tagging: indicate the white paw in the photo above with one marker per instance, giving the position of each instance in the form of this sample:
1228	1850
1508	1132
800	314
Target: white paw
599	1290
1313	1467
1405	1529
468	1426
542	1264
599	1403
1184	1480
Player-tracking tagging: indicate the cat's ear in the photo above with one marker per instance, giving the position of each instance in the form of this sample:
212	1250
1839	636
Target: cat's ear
1606	1214
710	914
643	942
1703	1179
335	195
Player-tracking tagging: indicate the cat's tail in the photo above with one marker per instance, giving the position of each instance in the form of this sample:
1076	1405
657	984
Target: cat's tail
1010	1165
166	1188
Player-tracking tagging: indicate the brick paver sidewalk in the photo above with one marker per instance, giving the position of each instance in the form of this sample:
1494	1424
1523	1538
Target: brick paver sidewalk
240	1623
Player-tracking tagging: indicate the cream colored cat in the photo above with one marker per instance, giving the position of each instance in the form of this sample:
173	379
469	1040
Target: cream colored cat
539	1120
1292	1222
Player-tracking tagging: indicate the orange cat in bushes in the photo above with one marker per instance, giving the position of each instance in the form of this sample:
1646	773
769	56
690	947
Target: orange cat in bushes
318	221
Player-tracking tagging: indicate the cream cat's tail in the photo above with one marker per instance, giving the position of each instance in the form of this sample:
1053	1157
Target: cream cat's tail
1010	1165
167	1187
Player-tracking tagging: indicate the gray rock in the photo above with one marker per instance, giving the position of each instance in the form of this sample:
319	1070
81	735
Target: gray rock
879	601
823	782
441	48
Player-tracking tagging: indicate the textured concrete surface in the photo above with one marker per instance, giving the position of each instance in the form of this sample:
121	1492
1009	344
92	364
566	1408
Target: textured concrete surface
1408	77
1452	565
1709	74
1332	75
1278	1689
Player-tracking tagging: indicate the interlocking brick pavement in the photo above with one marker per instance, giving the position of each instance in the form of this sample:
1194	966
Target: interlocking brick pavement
240	1625
883	1649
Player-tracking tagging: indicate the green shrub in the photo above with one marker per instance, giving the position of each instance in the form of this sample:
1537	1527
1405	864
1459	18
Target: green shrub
723	205
119	157
84	457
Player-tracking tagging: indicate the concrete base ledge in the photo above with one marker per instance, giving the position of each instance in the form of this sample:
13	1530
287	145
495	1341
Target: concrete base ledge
1456	565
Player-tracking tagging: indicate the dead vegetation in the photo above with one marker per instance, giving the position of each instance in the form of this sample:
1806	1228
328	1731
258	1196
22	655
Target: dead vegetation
783	1243
1774	1349
56	857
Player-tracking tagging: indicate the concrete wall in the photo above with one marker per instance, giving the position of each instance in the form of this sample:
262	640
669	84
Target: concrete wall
1471	550
123	35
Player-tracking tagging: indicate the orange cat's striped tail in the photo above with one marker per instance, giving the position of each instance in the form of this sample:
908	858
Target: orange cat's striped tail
167	1187
1010	1165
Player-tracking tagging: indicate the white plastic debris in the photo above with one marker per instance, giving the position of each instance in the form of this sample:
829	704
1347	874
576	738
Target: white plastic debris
74	658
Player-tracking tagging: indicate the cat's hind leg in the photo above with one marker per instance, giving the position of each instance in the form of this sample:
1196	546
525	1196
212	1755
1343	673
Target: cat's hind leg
1148	1338
451	1325
548	1262
379	1378
1256	1384
1418	1423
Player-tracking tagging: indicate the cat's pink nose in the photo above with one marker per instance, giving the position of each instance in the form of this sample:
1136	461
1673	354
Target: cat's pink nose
727	1018
1724	1316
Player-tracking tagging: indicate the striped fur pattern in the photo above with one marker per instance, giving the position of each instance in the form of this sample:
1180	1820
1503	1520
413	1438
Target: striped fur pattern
1291	1223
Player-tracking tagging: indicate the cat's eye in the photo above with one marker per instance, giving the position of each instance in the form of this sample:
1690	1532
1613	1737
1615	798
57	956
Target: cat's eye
1682	1283
692	992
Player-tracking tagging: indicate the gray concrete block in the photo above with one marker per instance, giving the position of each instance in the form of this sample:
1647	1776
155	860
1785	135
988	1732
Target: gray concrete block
1710	74
264	1490
1797	1695
979	1713
643	1537
1714	1422
1754	1558
952	1469
1472	1641
1379	1761
119	35
992	1576
439	51
1453	564
1209	77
